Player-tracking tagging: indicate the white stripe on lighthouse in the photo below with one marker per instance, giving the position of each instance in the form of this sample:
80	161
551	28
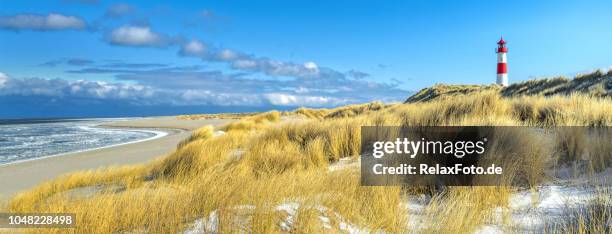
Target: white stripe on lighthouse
502	79
501	57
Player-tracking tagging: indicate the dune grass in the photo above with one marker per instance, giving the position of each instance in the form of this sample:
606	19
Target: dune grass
463	209
254	122
261	163
444	90
593	84
341	112
202	133
216	116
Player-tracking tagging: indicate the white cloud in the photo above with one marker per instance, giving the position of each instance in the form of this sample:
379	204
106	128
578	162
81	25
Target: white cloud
57	21
244	64
52	21
193	48
220	99
136	36
3	79
283	99
228	55
278	68
80	88
243	61
311	66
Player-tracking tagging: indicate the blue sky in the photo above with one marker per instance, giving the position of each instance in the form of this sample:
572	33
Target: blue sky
254	55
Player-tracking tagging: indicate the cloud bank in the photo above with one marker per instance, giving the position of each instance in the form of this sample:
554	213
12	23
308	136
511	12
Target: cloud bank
50	22
248	80
249	63
181	86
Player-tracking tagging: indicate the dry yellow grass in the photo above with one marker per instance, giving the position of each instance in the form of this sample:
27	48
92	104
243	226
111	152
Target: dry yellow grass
593	84
596	84
202	133
312	113
444	90
585	150
253	122
216	116
260	164
463	209
341	112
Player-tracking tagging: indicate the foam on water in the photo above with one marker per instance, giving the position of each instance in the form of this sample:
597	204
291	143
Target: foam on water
28	141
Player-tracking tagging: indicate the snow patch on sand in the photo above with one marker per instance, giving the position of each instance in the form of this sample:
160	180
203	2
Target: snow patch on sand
345	163
210	223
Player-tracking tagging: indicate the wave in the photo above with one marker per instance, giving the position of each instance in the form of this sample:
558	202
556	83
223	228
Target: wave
65	138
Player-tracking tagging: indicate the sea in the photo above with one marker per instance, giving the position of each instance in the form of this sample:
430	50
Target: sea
22	140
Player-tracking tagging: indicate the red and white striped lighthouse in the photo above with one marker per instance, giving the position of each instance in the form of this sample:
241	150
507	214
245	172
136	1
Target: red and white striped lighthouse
502	67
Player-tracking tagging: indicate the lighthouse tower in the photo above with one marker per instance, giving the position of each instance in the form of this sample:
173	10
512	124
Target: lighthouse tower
502	67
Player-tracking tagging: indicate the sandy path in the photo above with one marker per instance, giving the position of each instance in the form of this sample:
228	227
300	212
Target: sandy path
24	175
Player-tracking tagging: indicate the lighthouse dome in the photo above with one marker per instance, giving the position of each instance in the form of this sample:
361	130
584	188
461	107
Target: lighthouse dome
501	41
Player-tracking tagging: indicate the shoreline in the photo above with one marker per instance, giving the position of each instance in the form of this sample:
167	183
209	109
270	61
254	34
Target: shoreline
159	133
26	174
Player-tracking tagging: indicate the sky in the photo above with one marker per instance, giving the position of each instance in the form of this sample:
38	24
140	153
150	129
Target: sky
98	58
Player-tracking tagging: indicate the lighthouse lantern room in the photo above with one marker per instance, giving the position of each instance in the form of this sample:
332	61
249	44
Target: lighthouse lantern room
502	67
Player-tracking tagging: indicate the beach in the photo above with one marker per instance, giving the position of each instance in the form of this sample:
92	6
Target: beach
17	177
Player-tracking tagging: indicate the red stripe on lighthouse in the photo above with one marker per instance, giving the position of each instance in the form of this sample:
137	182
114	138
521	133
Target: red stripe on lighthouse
502	68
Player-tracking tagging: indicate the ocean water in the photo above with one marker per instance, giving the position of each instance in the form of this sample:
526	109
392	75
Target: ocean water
32	139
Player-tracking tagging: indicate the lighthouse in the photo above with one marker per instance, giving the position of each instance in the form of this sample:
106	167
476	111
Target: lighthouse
502	67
